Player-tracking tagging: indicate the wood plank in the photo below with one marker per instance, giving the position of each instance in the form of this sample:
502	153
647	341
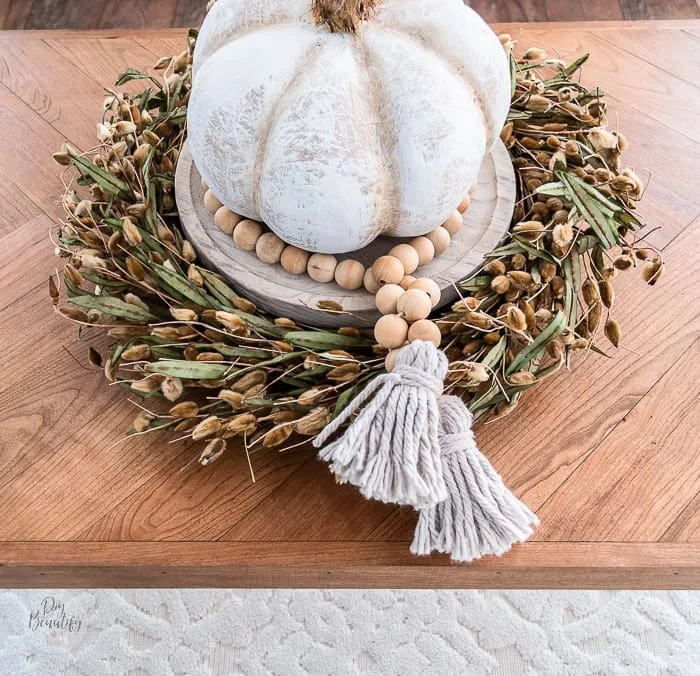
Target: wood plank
53	88
345	565
660	9
638	494
17	207
15	14
83	14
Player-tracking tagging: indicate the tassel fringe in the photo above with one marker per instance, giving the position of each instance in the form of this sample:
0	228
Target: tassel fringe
480	516
391	451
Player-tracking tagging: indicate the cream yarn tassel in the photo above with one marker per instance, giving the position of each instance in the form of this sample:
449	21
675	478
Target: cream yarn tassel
390	451
480	515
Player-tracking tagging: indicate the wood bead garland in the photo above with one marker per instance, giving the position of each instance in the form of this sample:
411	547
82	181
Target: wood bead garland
349	274
414	305
387	298
391	331
226	220
426	330
440	239
246	235
406	282
321	267
369	282
464	204
269	248
408	256
454	223
294	260
425	249
388	270
211	202
430	287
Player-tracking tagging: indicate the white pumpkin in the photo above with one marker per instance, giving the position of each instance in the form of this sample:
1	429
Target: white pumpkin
334	130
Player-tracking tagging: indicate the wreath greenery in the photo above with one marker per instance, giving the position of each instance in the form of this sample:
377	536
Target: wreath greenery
208	365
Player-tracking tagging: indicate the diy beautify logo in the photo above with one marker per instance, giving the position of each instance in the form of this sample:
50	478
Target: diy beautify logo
51	615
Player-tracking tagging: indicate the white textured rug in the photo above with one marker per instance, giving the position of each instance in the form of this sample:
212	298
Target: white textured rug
349	632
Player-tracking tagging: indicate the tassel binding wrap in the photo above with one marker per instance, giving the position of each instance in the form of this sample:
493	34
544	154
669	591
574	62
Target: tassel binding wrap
390	451
410	445
480	516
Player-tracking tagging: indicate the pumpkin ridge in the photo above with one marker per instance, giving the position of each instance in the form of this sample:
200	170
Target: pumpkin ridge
261	153
389	200
455	70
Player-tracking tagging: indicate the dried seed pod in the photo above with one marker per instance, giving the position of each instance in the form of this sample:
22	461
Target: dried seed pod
313	422
520	378
206	428
136	353
229	320
547	271
243	423
652	271
183	314
212	451
495	268
185	409
562	235
613	332
607	292
142	421
519	279
172	388
250	379
146	385
515	318
277	436
500	284
623	262
233	399
530	318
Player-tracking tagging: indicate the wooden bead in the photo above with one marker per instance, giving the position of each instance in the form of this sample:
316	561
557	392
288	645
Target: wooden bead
391	331
440	239
454	223
387	270
369	282
211	202
349	274
246	235
321	267
407	281
269	248
407	255
425	249
425	330
203	183
429	287
464	204
226	220
390	361
294	260
414	305
387	298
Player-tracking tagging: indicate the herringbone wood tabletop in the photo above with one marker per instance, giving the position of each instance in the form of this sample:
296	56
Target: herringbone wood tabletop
607	456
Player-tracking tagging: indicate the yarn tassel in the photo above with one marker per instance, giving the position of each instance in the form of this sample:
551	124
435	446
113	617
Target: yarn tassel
390	451
480	515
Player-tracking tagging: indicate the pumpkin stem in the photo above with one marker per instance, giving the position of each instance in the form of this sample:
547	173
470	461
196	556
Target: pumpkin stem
342	16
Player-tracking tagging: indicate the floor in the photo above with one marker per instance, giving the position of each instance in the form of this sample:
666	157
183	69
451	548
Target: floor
90	14
309	633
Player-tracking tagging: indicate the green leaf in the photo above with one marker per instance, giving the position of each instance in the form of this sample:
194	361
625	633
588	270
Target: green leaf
344	400
180	284
194	370
115	307
321	340
103	178
556	327
555	189
132	74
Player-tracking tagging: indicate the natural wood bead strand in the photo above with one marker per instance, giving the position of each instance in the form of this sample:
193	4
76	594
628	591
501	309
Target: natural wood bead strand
294	260
246	235
211	202
464	204
425	249
408	256
440	239
321	267
387	298
454	223
391	331
369	282
388	270
349	274
424	329
414	304
428	286
226	220
407	281
269	248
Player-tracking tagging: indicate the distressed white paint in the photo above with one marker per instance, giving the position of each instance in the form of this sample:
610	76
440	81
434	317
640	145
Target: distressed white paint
333	139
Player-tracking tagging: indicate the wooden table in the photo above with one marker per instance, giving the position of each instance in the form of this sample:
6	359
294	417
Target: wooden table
609	458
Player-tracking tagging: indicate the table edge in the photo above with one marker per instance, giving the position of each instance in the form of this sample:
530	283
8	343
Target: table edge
535	565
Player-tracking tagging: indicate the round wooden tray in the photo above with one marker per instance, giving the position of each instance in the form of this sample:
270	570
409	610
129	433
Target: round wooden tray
297	297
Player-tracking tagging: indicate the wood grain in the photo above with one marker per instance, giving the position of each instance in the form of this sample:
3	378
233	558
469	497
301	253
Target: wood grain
80	509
